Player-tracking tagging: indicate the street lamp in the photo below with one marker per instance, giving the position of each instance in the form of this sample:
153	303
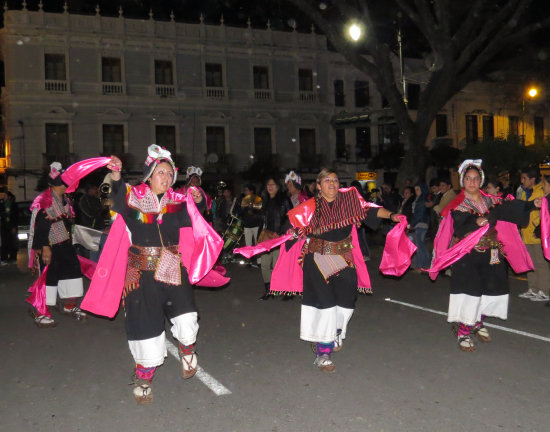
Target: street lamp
532	92
355	31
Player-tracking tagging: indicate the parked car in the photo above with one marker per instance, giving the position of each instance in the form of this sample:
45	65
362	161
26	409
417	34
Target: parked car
24	221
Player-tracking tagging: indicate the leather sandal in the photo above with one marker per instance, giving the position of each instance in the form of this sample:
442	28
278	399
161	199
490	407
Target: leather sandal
189	365
324	363
466	343
44	321
143	392
76	313
482	334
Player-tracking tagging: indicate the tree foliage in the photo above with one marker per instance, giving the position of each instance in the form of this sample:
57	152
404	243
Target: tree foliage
463	40
500	154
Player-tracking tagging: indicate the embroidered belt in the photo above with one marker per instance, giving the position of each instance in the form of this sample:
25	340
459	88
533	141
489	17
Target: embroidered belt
147	258
325	247
488	241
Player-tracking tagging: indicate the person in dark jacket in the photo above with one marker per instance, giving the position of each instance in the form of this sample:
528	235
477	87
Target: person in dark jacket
418	225
406	207
91	209
9	219
275	206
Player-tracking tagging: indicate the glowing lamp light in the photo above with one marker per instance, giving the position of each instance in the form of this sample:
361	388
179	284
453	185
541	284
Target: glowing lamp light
532	92
354	32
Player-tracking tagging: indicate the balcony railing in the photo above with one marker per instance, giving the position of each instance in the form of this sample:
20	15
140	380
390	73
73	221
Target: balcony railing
113	88
165	90
263	94
56	86
308	97
215	92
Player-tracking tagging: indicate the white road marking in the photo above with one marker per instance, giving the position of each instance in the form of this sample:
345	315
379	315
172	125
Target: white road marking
207	379
506	329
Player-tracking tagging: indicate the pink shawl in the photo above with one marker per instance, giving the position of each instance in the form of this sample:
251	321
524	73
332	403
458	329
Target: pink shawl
545	228
507	233
398	250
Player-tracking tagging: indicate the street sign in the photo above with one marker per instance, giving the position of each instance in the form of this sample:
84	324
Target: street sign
365	176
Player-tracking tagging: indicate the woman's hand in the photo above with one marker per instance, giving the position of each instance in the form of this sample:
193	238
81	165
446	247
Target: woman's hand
538	202
196	194
115	166
46	254
481	221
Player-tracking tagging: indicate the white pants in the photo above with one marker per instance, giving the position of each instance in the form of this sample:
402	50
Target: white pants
66	288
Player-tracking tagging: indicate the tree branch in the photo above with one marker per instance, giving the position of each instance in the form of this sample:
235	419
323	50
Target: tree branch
501	23
441	8
469	25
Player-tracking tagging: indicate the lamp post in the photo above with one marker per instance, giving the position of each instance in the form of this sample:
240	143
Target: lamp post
24	157
532	93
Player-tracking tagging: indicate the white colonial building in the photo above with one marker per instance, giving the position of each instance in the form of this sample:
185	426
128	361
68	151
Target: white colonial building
218	97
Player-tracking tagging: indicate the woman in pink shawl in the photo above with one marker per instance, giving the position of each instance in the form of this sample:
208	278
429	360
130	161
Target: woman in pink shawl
156	286
330	263
51	250
479	281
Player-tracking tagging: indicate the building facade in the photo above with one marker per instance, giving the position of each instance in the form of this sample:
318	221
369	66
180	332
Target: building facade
217	97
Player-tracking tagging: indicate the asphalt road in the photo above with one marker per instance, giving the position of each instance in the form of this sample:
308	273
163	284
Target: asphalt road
399	370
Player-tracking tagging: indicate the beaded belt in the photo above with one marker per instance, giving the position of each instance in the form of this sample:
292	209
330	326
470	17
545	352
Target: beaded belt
324	247
146	258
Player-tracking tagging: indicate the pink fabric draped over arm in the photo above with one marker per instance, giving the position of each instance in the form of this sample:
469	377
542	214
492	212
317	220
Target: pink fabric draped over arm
79	170
288	276
513	247
207	244
266	246
398	250
37	296
103	296
445	257
363	278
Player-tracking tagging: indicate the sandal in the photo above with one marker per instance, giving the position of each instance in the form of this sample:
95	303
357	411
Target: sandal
482	334
44	321
324	363
76	312
189	365
143	392
466	343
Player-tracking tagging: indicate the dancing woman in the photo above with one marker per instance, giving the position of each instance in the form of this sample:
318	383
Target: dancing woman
156	286
477	233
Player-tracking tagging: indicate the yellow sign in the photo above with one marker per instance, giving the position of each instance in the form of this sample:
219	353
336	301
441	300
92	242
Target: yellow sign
366	175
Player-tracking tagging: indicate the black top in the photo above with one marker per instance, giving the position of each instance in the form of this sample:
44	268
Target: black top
516	211
275	213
